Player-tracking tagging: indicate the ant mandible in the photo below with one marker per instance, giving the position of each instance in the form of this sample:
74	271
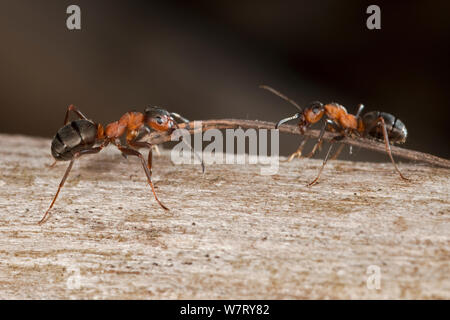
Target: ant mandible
375	124
83	136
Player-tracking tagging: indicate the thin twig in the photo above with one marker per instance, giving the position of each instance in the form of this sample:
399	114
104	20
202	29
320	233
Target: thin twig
157	138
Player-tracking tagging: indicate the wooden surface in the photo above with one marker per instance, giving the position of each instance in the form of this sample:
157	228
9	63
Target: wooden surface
231	233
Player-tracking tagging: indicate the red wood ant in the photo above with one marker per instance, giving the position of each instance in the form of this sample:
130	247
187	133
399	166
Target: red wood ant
83	136
375	124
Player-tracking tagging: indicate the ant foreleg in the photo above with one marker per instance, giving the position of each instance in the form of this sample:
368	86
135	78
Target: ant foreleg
320	139
190	147
142	133
195	154
332	141
388	146
155	147
135	153
66	174
179	119
73	109
51	166
298	153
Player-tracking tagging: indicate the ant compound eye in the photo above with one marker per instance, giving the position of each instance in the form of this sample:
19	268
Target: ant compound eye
159	120
316	107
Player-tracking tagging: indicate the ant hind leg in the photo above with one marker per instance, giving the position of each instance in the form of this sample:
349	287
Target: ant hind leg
61	184
320	139
388	147
66	174
51	166
76	111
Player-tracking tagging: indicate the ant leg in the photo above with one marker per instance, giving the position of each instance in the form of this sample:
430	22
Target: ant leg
66	120
320	139
190	147
63	180
61	184
73	109
141	144
155	147
298	153
388	147
326	159
51	166
142	133
317	146
181	119
321	169
195	154
135	153
338	152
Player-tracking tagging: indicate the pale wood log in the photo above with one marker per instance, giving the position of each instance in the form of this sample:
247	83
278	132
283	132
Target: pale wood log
231	233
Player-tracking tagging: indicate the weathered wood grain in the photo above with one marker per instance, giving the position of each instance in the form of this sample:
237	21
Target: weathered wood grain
231	233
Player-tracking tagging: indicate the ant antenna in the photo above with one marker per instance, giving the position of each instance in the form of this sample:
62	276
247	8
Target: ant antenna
282	96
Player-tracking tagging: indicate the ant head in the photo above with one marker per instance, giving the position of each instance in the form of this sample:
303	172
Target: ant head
314	112
159	119
316	106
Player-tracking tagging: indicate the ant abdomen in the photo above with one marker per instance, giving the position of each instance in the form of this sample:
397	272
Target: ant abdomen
395	128
75	136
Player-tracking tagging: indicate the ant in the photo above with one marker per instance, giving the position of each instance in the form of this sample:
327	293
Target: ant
83	136
375	124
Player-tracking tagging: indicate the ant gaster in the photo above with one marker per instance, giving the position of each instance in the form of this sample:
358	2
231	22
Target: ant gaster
83	136
375	124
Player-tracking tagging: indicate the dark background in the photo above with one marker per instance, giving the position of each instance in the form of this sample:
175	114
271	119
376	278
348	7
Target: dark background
206	59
